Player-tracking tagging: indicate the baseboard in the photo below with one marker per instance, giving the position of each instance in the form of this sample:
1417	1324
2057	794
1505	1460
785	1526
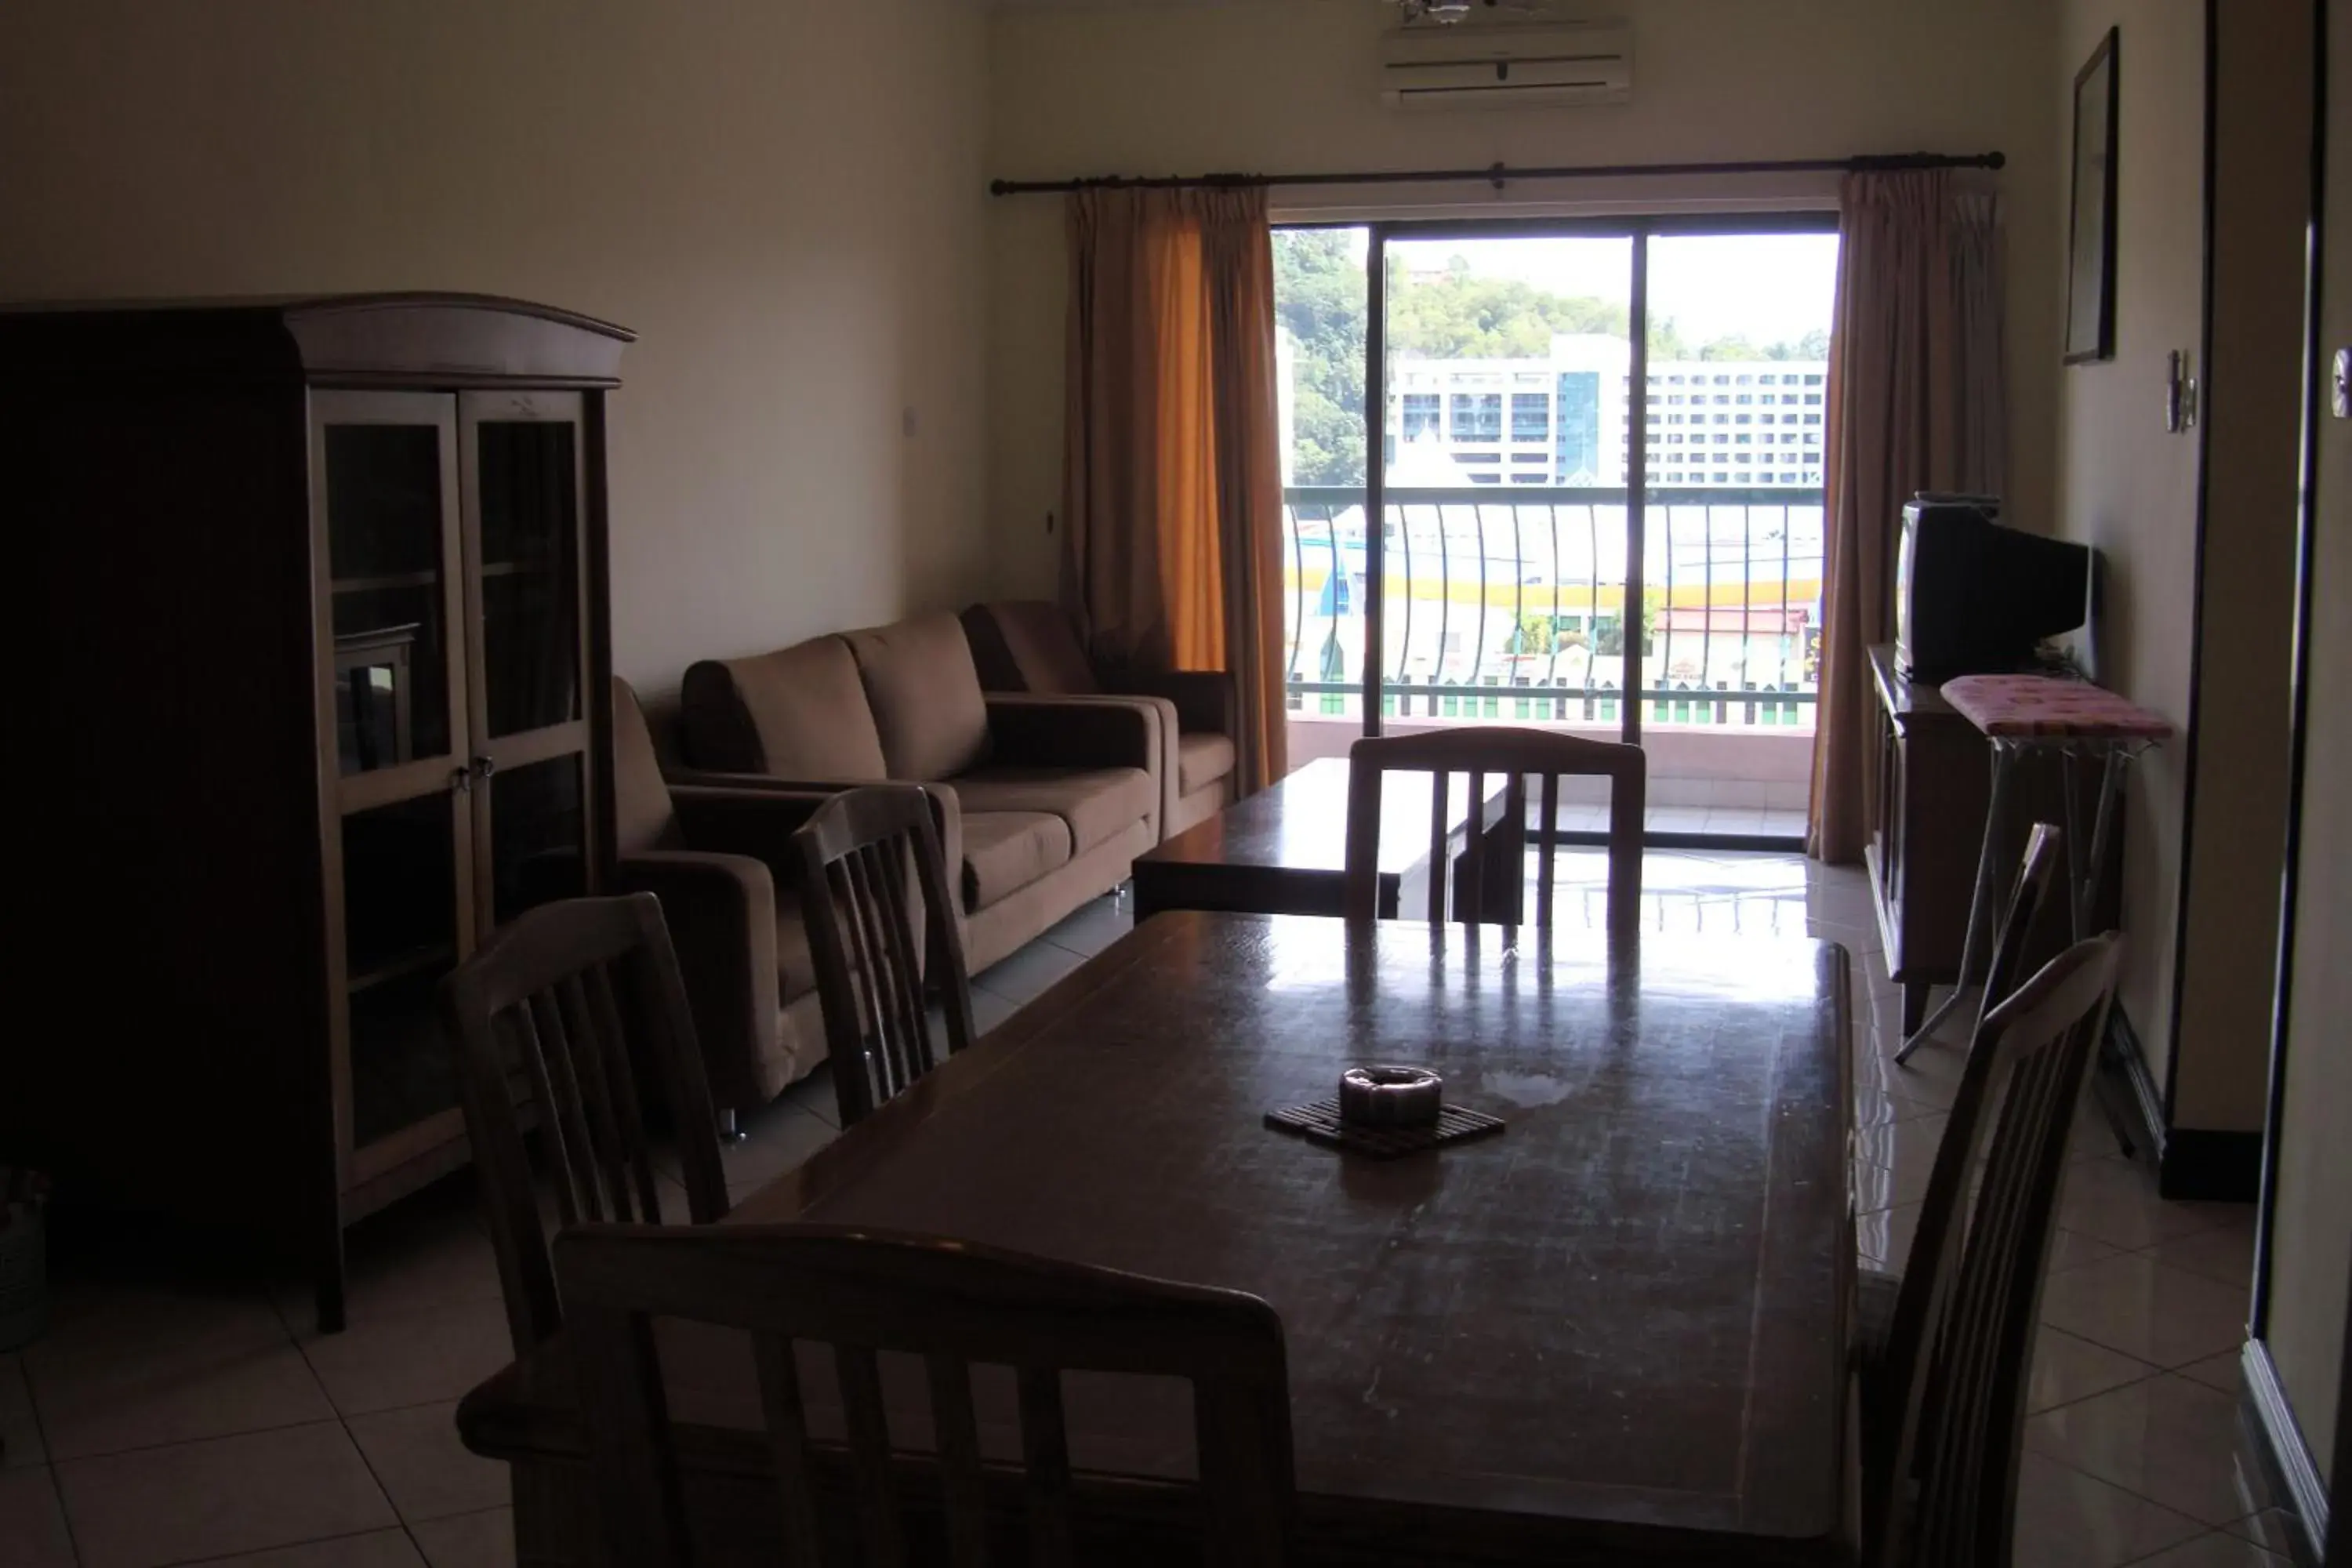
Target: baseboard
2288	1456
2192	1164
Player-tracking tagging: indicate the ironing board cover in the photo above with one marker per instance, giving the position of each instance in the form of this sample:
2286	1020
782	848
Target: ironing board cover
2044	705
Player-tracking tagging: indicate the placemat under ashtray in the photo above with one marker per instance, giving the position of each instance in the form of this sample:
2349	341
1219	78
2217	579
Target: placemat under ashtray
1319	1123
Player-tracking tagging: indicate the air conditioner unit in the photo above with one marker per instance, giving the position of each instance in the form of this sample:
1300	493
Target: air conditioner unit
1506	66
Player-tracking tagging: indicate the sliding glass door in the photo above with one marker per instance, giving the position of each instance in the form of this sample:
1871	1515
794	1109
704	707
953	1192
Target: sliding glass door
1509	384
1531	382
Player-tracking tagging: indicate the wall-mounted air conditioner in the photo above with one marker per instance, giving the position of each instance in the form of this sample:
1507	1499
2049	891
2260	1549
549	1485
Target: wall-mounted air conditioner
1508	66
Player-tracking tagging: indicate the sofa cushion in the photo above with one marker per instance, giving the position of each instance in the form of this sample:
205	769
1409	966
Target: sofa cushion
1202	759
925	695
1029	645
797	713
1005	851
1095	802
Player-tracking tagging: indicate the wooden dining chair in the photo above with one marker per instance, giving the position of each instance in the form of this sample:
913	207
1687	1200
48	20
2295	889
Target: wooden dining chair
954	1304
1950	1481
1480	752
883	935
1895	1310
553	1021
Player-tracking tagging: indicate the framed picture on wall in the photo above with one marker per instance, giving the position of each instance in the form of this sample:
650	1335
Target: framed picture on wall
2090	225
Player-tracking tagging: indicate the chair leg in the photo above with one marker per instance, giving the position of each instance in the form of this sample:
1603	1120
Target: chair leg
730	1129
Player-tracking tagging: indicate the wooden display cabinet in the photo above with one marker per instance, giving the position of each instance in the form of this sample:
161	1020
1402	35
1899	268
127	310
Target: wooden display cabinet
321	599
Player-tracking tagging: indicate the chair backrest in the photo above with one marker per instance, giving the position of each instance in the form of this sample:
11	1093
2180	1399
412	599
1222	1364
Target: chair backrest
1959	1434
1517	753
881	923
555	1018
954	1304
1925	1277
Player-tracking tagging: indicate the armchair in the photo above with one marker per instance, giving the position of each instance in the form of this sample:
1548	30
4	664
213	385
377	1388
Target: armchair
719	856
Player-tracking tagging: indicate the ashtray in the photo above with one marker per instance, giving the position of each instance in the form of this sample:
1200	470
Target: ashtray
1391	1097
1384	1111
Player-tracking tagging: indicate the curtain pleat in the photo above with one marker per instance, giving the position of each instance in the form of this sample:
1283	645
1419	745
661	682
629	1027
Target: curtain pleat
1915	402
1172	485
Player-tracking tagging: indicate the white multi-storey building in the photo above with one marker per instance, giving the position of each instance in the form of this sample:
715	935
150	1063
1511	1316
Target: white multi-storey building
1564	420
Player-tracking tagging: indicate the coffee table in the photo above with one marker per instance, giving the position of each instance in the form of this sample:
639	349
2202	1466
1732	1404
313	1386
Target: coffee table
1285	851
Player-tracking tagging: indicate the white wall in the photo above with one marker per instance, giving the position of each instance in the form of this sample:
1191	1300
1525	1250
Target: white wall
787	209
2131	489
1292	84
2311	1220
2252	414
2124	485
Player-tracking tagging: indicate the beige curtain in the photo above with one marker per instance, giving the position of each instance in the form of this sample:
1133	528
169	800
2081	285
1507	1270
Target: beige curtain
1171	480
1915	402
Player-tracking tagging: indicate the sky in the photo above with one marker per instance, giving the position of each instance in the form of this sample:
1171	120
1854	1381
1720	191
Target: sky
1767	287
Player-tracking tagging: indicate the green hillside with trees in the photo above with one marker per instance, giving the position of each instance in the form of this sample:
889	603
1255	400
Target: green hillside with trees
1319	291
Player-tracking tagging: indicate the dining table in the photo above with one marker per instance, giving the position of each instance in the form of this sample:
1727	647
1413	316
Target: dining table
1614	1331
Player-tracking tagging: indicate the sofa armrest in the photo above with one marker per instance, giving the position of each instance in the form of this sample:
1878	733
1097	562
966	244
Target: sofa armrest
758	822
721	914
751	813
709	778
1205	699
1078	732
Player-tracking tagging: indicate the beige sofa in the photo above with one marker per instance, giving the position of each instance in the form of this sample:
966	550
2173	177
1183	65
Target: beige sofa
1043	802
1032	645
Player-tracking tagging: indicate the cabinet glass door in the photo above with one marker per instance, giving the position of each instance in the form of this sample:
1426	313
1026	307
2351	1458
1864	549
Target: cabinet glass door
523	483
393	691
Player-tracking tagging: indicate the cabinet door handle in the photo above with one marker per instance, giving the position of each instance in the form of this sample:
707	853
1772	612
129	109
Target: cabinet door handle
461	779
483	767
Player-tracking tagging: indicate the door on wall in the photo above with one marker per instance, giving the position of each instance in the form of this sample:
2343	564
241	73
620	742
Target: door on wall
1532	379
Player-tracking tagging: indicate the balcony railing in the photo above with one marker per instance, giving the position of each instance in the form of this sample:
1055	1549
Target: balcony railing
1510	602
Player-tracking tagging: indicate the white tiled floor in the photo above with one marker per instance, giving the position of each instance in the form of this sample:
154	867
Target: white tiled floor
168	1420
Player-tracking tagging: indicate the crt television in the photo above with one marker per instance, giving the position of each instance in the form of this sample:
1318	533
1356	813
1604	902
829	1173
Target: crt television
1972	597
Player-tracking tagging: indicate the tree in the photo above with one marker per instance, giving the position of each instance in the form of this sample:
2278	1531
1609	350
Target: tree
1667	340
1318	294
1464	316
1318	297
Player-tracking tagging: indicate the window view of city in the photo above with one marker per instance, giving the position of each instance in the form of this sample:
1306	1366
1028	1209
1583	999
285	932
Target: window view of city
1508	454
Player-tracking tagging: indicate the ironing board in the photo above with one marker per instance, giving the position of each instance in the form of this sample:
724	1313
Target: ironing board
2023	716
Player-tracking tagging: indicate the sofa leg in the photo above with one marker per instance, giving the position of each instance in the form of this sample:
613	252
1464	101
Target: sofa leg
730	1129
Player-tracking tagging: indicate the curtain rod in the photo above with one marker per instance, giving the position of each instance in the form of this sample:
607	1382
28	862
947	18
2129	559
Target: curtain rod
1498	174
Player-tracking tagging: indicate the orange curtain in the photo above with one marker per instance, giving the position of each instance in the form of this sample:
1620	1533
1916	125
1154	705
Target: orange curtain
1172	484
1915	402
